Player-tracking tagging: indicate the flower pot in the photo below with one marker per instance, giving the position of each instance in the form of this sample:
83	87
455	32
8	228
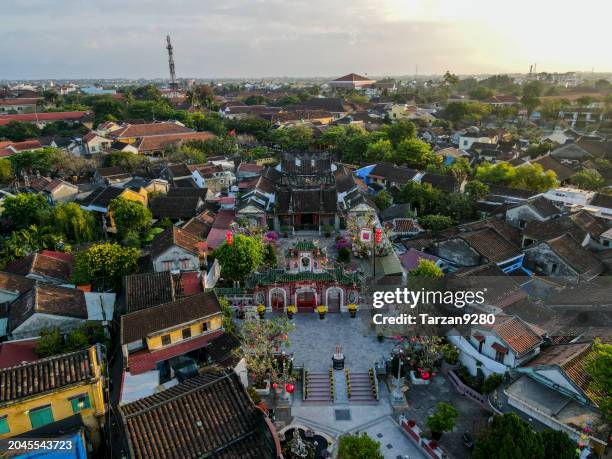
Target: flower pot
290	315
321	316
261	314
353	314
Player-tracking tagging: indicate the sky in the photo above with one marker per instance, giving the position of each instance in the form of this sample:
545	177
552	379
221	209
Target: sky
300	38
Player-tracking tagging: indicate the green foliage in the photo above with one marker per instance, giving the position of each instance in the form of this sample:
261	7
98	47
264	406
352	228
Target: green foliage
599	367
76	339
18	131
28	240
6	170
50	343
415	153
443	420
130	216
255	99
201	95
379	151
527	176
491	383
344	255
64	129
588	179
251	125
539	149
293	138
104	261
24	209
509	437
255	397
358	446
383	200
558	445
269	257
426	268
451	354
466	112
129	161
241	258
43	161
228	315
399	131
436	222
73	223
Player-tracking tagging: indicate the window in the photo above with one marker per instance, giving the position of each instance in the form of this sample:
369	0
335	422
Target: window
166	340
499	356
167	265
185	264
553	268
204	327
4	427
41	416
522	223
186	333
80	402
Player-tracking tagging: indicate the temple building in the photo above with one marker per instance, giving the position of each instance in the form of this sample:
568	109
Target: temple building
305	281
306	191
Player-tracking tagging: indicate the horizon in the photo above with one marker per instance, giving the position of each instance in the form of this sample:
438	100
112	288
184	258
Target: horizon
241	39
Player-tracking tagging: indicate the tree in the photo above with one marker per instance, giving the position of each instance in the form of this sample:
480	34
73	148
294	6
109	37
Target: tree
436	222
228	315
379	151
599	367
476	190
382	200
201	95
130	216
241	258
24	209
588	179
6	170
415	153
70	220
509	437
76	339
28	240
269	257
400	130
255	99
443	420
358	446
426	268
294	137
104	261
558	444
18	131
50	342
129	161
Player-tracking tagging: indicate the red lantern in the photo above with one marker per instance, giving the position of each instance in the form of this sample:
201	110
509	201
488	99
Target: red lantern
378	235
425	375
274	385
290	388
228	237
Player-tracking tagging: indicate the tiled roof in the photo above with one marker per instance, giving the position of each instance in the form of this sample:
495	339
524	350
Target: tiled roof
580	259
278	275
516	333
206	416
46	117
577	225
178	170
174	236
197	227
188	192
446	183
148	289
404	225
17	352
175	207
102	197
41	265
139	324
549	163
47	299
601	200
352	77
310	201
544	207
392	173
160	142
250	167
491	245
15	282
572	359
149	129
46	375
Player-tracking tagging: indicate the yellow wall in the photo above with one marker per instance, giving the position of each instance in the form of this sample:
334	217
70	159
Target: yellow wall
131	195
19	420
176	335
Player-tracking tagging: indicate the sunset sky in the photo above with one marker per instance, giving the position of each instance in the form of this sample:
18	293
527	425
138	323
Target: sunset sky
250	38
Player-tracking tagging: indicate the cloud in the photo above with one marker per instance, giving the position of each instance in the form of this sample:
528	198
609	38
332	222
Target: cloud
240	38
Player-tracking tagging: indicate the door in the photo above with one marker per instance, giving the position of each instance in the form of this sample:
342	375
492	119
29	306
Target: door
306	301
278	301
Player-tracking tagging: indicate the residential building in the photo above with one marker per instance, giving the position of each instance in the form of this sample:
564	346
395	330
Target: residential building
228	424
352	81
177	250
535	209
95	143
39	393
47	266
42	119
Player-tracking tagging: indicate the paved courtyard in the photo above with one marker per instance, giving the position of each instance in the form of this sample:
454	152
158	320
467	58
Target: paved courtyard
314	341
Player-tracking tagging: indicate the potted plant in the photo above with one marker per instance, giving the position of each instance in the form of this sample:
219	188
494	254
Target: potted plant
352	309
411	423
322	310
443	420
261	310
291	309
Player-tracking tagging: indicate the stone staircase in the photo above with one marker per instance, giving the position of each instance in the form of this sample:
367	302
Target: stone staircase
360	388
317	389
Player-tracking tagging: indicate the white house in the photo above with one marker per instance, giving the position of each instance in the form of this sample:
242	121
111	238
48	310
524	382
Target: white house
506	344
175	250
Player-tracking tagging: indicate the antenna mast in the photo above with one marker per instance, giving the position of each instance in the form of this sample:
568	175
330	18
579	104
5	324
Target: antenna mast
173	84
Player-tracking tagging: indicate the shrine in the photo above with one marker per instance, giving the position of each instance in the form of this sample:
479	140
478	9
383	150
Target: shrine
305	281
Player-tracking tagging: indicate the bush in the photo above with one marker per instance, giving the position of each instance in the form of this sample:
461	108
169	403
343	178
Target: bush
254	395
491	383
344	255
451	354
443	420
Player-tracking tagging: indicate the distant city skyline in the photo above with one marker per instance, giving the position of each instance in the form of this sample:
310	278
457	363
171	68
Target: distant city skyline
265	38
